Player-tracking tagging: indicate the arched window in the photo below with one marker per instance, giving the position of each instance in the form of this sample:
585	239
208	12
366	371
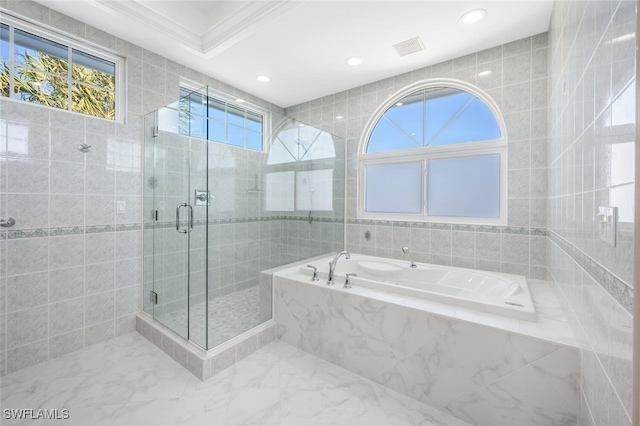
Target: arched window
300	168
436	151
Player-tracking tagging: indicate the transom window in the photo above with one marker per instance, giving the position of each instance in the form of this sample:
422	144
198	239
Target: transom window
435	152
44	69
199	115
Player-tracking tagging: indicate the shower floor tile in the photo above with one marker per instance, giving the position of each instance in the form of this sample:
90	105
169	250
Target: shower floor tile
229	316
128	381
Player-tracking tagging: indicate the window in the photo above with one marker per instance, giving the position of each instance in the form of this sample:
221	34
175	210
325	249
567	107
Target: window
44	69
301	165
201	116
435	152
296	142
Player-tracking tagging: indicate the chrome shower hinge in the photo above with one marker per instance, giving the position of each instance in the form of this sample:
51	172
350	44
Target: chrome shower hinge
153	297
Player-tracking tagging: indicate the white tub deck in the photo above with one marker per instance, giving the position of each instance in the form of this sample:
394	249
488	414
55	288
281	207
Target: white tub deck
490	292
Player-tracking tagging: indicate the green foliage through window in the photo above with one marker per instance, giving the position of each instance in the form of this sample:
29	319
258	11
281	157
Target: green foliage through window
44	72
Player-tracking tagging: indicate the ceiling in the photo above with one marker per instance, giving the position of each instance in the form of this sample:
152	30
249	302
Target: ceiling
302	45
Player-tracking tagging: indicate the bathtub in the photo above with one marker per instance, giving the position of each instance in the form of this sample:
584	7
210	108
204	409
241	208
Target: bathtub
491	292
440	351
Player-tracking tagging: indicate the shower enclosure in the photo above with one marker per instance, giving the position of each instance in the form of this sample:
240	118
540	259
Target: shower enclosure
229	193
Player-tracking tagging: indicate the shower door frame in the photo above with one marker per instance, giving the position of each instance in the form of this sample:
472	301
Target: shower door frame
165	223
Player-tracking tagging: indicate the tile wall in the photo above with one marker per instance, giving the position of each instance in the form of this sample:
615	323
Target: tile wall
591	164
518	84
71	270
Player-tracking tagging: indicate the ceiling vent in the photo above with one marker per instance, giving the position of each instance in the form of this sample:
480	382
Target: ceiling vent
410	46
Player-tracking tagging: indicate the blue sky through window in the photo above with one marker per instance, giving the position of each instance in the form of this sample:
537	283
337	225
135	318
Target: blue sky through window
4	42
433	117
215	120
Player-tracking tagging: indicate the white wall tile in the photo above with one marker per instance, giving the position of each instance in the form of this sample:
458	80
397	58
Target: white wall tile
66	316
582	86
27	291
26	326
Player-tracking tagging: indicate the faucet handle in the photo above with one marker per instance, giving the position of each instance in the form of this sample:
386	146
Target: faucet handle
347	284
315	273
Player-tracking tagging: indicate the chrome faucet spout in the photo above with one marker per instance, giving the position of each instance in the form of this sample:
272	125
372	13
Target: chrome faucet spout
332	265
406	251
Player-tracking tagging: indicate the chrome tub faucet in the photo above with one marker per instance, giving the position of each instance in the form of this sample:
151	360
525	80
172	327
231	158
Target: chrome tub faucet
406	251
332	265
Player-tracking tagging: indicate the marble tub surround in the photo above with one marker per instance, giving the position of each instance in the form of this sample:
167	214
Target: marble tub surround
483	373
128	381
551	325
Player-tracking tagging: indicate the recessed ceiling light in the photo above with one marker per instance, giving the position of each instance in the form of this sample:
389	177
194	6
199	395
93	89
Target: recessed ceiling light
240	100
354	60
484	73
264	78
339	117
473	16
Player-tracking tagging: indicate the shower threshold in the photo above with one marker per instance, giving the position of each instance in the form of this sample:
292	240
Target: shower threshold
231	344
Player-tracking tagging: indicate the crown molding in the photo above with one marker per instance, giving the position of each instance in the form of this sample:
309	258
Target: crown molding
224	34
244	22
148	17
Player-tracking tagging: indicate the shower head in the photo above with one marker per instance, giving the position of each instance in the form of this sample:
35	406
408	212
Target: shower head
405	250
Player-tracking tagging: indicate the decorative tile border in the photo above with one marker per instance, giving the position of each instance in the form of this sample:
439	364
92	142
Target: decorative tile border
466	228
539	232
27	233
128	227
98	229
76	230
233	221
516	231
315	219
613	285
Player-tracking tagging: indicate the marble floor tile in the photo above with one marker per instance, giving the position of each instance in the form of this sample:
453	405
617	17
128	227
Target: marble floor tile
128	381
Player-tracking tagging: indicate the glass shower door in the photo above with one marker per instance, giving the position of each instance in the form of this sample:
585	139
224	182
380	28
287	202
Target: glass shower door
172	226
178	187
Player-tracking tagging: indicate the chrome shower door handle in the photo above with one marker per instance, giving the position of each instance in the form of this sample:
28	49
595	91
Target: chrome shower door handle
182	231
190	218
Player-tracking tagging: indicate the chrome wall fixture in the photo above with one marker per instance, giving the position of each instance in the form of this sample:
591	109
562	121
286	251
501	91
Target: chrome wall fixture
202	197
7	223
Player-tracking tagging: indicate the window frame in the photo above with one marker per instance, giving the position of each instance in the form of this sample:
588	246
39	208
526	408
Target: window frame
231	100
423	154
72	43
